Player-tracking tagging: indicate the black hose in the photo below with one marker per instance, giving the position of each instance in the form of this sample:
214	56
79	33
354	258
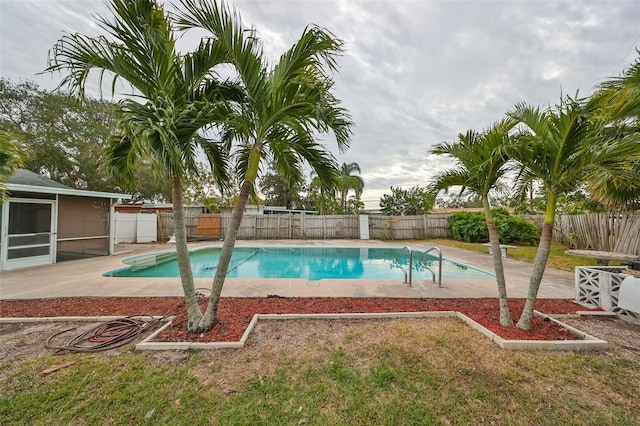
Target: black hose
108	335
115	333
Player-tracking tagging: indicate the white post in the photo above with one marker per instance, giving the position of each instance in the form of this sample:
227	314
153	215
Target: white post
112	224
364	227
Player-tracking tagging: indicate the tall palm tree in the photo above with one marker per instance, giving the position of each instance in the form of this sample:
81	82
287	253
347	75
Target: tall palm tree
285	107
348	181
480	167
566	147
175	96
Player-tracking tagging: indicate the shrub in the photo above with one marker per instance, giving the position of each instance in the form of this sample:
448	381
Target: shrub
471	227
516	229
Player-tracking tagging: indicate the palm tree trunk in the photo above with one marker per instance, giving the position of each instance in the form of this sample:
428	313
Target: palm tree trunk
182	254
210	317
343	200
544	248
494	241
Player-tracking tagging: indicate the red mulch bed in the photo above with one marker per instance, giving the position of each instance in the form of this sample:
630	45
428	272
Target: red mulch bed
236	313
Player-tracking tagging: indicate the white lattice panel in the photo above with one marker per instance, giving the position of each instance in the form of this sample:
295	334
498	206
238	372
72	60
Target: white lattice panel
599	288
588	287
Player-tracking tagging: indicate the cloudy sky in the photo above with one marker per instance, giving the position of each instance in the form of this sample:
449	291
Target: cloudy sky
414	73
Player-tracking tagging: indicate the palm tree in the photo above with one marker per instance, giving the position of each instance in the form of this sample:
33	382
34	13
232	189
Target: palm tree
566	147
618	100
480	167
175	96
322	196
619	97
285	107
348	181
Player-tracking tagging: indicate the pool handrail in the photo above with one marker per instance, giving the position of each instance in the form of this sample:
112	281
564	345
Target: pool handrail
408	275
433	275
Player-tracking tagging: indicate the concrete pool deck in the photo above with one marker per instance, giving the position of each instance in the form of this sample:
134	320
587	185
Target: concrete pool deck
81	278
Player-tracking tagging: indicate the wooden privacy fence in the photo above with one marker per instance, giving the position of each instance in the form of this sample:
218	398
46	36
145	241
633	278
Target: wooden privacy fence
296	226
614	232
605	231
409	227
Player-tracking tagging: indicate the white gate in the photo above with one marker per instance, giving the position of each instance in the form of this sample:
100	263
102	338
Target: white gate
136	228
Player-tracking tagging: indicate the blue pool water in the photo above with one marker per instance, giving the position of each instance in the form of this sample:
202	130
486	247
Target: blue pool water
311	263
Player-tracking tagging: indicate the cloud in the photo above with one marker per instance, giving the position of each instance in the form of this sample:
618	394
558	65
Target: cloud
414	73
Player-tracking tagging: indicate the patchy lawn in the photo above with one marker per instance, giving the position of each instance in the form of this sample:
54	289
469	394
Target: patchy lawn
326	372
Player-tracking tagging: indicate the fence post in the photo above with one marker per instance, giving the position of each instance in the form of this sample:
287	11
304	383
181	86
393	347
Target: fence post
324	227
255	227
424	225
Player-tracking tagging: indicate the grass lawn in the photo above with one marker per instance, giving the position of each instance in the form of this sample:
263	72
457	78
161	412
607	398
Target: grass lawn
557	258
402	372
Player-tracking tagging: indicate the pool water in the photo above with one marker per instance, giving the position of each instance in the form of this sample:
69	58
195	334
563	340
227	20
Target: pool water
311	263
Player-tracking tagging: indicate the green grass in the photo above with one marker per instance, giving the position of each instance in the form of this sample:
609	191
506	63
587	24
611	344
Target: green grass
558	259
403	372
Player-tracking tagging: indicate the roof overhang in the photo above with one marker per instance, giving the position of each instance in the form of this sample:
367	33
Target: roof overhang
64	191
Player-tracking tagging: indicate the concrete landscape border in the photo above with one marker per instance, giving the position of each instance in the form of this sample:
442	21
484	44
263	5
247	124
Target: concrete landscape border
586	342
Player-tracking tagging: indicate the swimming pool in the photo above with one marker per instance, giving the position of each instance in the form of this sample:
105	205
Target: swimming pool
311	263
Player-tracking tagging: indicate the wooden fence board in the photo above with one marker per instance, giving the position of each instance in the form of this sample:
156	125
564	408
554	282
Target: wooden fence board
628	232
616	232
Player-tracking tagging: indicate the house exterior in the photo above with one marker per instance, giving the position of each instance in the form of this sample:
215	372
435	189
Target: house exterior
45	222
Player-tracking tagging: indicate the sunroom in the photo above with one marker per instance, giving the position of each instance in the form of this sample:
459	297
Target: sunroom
44	222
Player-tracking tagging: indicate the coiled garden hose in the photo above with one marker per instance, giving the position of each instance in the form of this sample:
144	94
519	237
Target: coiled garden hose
108	335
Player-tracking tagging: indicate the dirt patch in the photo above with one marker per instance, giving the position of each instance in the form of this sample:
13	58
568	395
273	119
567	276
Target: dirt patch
27	339
623	337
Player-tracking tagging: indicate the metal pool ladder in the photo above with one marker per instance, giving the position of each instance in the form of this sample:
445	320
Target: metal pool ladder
408	273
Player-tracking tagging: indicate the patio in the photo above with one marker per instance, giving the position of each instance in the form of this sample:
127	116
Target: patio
83	278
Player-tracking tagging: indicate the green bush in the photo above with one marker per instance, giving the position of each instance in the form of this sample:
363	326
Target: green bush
516	229
471	227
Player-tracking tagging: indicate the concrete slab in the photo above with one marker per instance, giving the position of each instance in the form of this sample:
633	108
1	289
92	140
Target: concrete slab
83	278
